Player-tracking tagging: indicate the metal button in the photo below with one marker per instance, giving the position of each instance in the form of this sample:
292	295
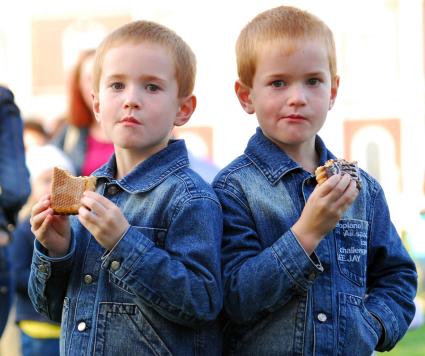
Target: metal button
3	290
311	276
42	268
113	189
88	279
322	317
115	265
81	326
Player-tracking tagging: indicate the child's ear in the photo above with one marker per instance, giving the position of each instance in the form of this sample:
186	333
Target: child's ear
95	104
334	91
243	92
187	107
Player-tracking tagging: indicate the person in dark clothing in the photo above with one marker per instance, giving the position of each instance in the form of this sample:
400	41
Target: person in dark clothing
14	189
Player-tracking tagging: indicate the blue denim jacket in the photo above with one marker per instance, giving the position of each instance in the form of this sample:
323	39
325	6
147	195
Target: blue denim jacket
158	291
14	176
280	301
14	187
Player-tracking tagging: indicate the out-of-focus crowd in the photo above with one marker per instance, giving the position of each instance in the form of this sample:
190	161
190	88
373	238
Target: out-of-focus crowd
28	153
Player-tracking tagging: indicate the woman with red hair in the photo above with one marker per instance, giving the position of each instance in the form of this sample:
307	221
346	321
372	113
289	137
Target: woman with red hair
82	138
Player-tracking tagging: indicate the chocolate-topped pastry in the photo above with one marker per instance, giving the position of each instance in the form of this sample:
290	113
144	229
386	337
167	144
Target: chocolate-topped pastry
335	166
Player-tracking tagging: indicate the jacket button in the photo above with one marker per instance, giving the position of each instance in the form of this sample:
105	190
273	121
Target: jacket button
112	190
42	268
88	279
81	326
115	265
322	317
3	290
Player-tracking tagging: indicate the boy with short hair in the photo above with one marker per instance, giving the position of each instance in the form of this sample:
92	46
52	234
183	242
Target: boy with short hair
138	273
308	269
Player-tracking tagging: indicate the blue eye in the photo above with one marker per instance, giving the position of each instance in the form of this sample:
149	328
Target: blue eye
117	85
313	81
278	83
152	87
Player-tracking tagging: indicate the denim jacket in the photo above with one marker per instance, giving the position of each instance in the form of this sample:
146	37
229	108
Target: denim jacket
14	176
14	187
158	291
280	301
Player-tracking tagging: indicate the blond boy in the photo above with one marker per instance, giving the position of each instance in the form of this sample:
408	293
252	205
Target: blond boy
138	273
308	269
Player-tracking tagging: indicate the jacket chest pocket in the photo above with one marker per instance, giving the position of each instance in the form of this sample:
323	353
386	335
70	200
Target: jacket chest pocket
351	249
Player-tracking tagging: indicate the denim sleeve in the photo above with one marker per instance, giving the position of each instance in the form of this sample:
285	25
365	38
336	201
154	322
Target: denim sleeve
21	253
49	280
182	280
392	278
6	288
14	177
258	280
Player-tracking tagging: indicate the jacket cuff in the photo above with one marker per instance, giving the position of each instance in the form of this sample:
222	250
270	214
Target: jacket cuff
125	253
296	262
47	266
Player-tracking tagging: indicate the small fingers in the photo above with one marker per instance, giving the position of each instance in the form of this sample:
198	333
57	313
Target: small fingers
41	205
335	185
350	194
87	214
38	219
93	205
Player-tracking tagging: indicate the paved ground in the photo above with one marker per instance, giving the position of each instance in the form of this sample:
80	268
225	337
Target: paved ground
9	343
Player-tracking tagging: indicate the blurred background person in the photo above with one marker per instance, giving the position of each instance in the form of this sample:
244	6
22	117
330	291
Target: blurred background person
34	133
81	137
38	335
14	189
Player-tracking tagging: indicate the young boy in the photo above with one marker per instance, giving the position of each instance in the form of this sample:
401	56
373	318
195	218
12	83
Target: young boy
138	273
308	269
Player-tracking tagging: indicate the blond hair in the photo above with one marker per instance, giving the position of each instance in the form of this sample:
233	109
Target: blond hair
147	31
283	23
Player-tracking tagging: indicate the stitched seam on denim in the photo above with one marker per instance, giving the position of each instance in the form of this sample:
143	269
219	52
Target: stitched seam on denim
225	178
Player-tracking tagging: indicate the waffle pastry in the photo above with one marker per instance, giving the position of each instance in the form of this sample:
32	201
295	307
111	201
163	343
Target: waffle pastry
335	166
67	191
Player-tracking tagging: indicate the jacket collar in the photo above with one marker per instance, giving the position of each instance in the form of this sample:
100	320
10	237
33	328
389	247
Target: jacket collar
272	161
150	172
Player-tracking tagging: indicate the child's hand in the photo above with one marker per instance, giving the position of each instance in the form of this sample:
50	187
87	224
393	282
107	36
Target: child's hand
52	231
324	209
102	218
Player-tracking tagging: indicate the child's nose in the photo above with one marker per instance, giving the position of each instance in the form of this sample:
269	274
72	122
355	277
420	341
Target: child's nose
132	99
129	104
297	95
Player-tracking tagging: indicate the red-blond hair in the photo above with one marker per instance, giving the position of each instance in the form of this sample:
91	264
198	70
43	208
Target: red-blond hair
139	31
280	26
79	114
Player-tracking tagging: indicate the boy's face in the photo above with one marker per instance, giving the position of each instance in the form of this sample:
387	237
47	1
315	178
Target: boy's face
291	92
138	103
